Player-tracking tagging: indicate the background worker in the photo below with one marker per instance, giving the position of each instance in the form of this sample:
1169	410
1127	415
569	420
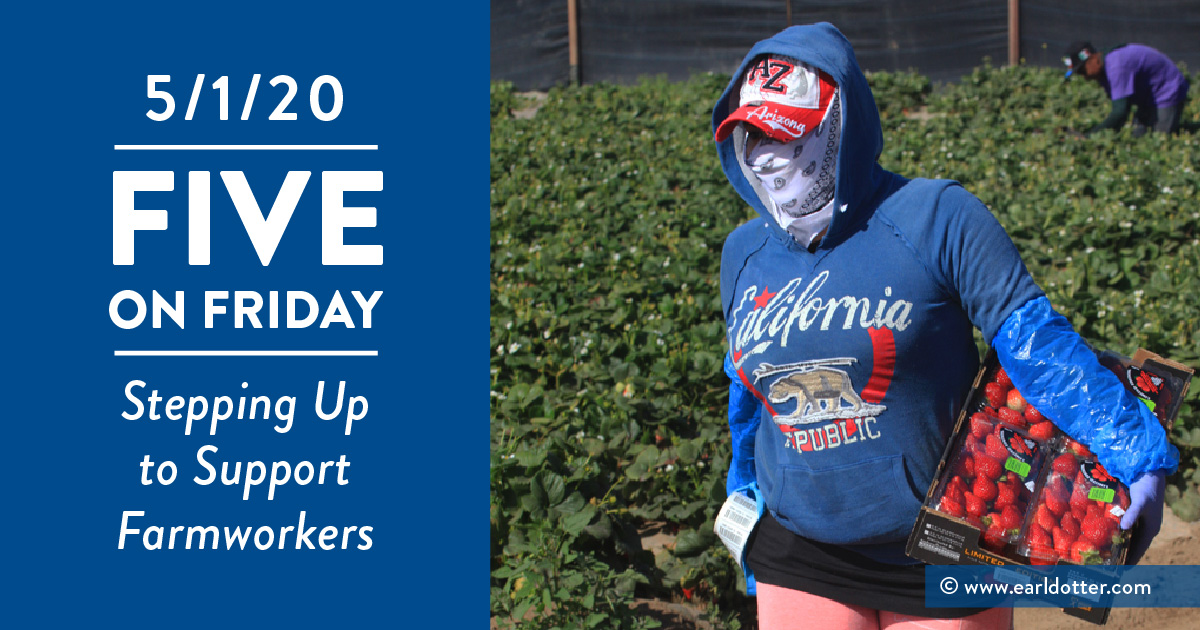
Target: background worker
1133	75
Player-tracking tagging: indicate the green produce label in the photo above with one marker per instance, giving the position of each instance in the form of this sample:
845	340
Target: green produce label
1017	466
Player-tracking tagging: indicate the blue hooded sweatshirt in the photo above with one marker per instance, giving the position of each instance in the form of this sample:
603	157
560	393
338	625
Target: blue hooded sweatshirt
850	361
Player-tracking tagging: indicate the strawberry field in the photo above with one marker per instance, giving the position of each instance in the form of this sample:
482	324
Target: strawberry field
608	212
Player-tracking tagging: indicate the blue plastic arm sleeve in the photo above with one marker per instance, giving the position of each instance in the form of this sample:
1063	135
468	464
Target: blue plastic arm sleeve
1060	375
744	414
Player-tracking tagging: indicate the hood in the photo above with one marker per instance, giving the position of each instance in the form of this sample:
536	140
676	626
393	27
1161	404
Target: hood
859	175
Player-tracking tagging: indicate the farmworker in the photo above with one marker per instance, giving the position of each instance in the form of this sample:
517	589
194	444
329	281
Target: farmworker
1133	75
849	307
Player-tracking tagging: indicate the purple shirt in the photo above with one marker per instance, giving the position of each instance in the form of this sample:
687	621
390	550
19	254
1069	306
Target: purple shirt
1146	75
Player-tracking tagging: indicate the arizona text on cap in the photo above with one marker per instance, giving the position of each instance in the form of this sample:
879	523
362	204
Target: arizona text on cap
782	97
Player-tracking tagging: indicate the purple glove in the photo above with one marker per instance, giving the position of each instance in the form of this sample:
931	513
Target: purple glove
1145	505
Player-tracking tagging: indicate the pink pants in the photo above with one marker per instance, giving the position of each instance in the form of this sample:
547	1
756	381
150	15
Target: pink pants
783	608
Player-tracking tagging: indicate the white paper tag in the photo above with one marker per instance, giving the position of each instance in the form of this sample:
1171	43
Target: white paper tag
735	522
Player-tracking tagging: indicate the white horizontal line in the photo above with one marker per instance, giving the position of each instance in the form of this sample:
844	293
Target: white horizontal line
246	147
245	353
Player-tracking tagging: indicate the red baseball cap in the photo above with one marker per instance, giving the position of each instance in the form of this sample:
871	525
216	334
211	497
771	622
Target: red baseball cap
782	97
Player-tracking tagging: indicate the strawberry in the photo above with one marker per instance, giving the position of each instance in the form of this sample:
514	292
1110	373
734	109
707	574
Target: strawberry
1085	552
1045	518
1015	401
1070	525
995	448
1038	539
1055	494
1033	415
996	394
995	537
1080	449
1079	500
1002	378
964	465
1005	495
957	480
981	425
951	507
1041	546
954	491
987	467
1012	416
1098	531
1081	481
1065	464
975	506
1062	542
1040	430
984	489
1010	517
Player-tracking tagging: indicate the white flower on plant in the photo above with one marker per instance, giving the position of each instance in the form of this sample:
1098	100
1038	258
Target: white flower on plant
513	347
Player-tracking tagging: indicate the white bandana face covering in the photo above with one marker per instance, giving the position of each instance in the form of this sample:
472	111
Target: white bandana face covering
798	176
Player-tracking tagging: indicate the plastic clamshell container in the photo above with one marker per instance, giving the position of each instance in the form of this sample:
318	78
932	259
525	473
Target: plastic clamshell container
990	479
1076	513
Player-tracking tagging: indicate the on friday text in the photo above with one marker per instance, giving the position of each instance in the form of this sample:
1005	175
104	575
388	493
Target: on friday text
247	309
